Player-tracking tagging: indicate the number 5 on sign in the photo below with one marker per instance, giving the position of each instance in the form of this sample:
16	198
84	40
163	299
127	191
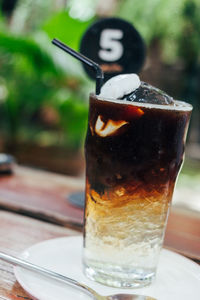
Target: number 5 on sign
115	45
111	48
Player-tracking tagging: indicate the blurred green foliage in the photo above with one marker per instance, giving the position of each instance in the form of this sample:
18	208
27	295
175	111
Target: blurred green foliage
176	24
66	29
43	93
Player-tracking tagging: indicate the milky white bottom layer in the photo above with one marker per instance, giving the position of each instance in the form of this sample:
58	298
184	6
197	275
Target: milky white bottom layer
124	261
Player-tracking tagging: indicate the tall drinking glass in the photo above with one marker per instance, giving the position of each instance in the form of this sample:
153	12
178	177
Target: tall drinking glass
134	152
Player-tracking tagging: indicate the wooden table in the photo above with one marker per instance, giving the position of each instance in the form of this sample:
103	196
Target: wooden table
34	207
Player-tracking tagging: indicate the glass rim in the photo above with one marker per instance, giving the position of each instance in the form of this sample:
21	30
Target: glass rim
180	105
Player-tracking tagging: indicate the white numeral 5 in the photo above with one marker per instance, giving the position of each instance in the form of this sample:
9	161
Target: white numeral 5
112	49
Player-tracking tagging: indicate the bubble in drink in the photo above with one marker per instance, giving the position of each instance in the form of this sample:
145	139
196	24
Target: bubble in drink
134	151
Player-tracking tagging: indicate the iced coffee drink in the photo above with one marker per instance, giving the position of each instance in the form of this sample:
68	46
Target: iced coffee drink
134	150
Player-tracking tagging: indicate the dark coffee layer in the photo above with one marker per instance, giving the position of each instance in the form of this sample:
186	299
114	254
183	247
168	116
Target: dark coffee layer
128	145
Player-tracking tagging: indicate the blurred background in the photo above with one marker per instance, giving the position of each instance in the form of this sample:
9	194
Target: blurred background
44	92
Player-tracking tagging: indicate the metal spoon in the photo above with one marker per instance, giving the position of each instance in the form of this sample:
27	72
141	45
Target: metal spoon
53	275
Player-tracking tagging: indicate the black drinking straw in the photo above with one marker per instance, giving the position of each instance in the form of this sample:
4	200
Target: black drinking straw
86	60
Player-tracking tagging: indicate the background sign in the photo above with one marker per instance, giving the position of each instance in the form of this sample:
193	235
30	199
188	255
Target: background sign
115	45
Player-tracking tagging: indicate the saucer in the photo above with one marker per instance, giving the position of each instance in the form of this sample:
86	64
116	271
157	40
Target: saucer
177	277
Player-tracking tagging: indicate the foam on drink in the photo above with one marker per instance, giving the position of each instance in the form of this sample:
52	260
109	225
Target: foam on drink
128	88
119	86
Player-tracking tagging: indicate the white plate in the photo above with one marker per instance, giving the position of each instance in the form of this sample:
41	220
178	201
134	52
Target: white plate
177	276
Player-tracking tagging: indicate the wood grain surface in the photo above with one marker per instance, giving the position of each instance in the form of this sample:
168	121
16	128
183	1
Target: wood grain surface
183	234
34	207
16	234
43	195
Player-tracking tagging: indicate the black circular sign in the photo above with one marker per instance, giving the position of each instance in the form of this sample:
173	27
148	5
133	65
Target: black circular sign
115	45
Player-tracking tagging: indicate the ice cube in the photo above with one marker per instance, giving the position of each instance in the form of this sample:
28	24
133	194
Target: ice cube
147	93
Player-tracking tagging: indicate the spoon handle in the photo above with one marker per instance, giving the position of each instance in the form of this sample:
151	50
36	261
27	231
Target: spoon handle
45	272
